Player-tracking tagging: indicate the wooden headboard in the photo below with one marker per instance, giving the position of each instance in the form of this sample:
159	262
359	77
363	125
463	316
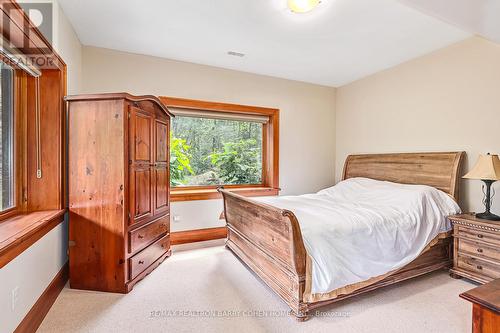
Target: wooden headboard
439	170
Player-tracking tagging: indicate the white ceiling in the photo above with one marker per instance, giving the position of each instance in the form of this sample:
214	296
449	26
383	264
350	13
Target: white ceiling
339	42
478	16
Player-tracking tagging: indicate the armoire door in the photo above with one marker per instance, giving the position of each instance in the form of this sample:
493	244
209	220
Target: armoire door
141	165
161	179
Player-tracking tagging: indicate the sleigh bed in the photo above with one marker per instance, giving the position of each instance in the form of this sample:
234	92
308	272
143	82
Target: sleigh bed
269	239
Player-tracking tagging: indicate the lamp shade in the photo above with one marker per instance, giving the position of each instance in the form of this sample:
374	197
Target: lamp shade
487	168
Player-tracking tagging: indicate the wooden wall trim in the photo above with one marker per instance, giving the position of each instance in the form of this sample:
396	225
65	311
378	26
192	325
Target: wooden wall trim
180	194
20	232
200	235
216	106
35	316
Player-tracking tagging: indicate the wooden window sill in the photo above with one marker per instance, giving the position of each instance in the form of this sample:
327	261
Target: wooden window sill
211	193
19	232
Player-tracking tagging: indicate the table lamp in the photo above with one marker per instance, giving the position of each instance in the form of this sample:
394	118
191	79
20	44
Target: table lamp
487	169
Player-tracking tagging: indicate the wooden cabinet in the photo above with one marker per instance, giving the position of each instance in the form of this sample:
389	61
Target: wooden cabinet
476	253
485	301
119	185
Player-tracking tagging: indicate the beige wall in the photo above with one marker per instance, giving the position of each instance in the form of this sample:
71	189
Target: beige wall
68	46
31	272
447	100
307	121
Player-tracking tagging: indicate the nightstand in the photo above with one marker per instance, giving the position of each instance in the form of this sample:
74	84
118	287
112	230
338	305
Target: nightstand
476	250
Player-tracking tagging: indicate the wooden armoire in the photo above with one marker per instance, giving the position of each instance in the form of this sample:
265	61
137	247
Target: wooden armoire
118	186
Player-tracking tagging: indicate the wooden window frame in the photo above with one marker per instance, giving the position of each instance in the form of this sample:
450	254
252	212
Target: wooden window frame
39	202
270	155
17	142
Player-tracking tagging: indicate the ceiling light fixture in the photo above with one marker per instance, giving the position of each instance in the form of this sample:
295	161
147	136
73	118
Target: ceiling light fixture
302	6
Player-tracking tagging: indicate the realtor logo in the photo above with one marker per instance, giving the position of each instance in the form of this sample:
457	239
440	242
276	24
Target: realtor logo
41	15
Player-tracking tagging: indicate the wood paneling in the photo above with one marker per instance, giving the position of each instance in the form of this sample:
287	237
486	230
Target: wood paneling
200	235
269	240
115	182
46	192
37	313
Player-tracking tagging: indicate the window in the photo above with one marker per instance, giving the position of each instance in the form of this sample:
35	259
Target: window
6	137
208	151
214	144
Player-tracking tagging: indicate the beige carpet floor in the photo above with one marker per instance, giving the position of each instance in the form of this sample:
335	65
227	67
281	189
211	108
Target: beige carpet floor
208	290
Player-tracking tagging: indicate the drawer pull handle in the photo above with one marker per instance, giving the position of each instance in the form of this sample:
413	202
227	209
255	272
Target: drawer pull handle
480	250
479	267
141	262
480	236
140	236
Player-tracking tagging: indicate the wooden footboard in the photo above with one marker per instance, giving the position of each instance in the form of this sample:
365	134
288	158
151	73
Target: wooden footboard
269	241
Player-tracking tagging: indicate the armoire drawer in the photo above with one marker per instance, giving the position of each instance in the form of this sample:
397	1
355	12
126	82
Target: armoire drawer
146	257
144	235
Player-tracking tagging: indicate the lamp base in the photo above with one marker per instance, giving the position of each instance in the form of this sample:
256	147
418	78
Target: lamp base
488	216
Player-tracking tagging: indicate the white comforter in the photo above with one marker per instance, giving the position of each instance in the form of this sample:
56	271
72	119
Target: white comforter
363	228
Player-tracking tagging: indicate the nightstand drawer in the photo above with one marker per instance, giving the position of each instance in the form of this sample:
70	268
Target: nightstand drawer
478	248
479	235
478	266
